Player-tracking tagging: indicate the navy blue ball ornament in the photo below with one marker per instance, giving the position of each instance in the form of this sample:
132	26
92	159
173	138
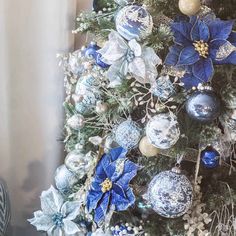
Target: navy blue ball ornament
134	22
91	51
65	179
170	193
210	158
203	106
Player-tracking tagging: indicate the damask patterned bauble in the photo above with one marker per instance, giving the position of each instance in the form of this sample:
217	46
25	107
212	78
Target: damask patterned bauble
65	179
163	88
210	158
189	8
163	131
203	106
170	193
134	22
128	134
79	163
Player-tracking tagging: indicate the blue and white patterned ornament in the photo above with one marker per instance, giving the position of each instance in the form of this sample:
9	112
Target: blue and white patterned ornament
128	134
203	106
170	193
163	131
65	179
163	88
134	22
210	158
91	51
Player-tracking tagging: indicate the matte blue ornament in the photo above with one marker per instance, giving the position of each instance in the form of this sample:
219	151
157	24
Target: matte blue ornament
203	106
210	158
163	88
65	179
91	51
134	22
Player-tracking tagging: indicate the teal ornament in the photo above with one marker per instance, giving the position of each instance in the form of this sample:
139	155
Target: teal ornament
170	193
163	131
163	88
128	134
134	22
210	158
65	179
5	212
203	106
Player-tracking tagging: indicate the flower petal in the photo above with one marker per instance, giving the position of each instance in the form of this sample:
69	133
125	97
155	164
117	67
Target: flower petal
190	81
135	47
117	153
130	195
182	33
118	189
70	227
188	56
200	31
51	201
55	231
93	198
173	55
70	210
220	29
42	222
232	38
114	49
203	69
214	46
120	203
231	59
138	68
101	210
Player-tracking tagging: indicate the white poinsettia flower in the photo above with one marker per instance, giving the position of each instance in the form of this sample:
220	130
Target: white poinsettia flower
129	57
56	216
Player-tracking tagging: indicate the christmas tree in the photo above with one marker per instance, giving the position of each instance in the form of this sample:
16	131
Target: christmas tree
150	126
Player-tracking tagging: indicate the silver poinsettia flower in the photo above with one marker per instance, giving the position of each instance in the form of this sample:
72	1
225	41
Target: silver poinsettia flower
129	58
56	216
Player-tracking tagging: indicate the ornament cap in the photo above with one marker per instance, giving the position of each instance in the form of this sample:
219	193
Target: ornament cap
176	169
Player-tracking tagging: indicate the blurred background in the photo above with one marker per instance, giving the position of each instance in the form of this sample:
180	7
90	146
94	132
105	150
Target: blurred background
31	96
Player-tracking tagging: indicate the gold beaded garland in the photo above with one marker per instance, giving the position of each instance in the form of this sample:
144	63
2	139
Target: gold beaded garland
146	148
189	7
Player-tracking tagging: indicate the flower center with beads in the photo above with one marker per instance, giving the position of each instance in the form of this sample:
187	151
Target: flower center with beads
58	219
106	185
202	48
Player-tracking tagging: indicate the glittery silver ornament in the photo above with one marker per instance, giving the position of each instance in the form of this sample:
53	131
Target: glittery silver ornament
128	134
79	163
65	179
110	143
170	194
163	88
76	122
203	106
163	131
228	95
134	22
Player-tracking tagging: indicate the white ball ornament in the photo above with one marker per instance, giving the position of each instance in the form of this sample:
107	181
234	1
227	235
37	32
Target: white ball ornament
189	7
101	107
163	131
146	148
76	122
170	193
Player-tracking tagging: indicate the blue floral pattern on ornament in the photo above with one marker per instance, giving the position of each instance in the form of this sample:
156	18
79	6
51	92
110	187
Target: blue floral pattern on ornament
110	186
197	44
56	215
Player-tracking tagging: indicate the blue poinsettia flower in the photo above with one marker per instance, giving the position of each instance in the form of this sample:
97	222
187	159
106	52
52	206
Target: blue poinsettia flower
197	44
110	186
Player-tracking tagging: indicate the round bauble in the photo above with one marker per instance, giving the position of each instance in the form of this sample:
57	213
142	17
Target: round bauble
170	194
76	122
163	131
101	107
65	179
79	163
123	2
163	88
128	134
203	106
210	158
146	148
134	22
189	7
